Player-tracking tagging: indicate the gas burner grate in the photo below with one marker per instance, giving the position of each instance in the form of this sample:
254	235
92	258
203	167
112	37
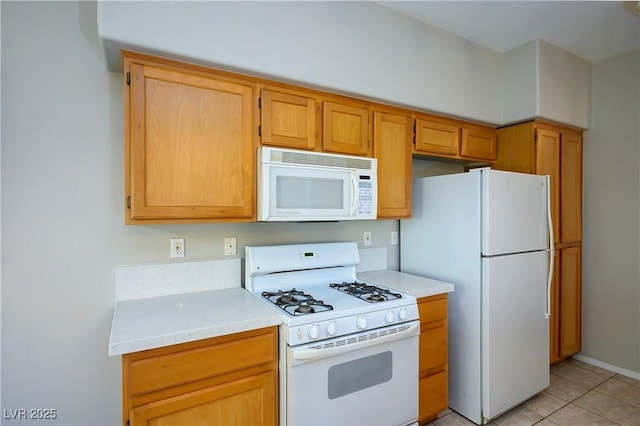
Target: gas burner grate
296	302
366	292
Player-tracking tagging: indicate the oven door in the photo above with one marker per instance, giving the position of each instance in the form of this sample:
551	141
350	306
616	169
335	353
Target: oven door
369	378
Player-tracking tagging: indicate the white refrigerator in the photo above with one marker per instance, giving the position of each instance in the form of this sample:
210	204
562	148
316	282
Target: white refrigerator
489	233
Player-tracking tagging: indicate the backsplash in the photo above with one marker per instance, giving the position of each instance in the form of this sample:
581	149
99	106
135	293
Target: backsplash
163	279
152	280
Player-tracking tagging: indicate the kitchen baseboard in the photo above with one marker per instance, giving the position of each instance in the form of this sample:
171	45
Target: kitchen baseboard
623	371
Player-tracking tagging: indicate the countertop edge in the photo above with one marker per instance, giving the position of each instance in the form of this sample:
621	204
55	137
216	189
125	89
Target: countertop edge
122	348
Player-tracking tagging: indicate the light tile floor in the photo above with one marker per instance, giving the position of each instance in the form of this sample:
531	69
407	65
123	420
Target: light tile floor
580	394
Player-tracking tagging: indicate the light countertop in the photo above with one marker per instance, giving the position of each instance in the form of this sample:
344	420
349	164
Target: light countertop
412	284
148	323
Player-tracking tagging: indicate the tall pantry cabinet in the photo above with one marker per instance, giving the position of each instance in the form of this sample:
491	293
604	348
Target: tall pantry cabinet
547	148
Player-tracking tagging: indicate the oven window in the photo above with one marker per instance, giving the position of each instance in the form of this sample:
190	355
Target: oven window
359	374
295	192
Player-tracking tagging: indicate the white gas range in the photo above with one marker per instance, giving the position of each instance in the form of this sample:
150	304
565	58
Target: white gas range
344	343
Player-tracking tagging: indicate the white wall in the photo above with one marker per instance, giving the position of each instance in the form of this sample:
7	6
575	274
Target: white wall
520	85
564	86
541	80
611	216
352	47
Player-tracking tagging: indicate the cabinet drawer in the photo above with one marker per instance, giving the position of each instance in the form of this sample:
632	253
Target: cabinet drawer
169	369
433	396
433	350
432	309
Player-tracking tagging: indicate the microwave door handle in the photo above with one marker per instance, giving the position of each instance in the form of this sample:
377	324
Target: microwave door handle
354	194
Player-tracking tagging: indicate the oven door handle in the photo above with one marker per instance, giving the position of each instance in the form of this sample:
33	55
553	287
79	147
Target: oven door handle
321	351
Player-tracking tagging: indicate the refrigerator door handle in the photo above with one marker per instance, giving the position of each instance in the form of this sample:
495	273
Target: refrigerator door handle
551	247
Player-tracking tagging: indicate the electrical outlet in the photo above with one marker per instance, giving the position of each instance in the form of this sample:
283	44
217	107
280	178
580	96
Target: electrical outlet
177	247
394	238
230	246
367	238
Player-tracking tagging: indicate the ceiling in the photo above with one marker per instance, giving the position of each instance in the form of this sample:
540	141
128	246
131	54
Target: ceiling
592	30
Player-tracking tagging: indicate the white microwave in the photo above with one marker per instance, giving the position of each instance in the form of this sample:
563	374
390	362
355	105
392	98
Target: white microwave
311	186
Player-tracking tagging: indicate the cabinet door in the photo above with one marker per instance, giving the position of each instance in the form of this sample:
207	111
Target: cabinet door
571	187
345	129
288	120
478	143
433	392
433	368
248	401
516	149
392	148
548	163
190	148
437	137
570	301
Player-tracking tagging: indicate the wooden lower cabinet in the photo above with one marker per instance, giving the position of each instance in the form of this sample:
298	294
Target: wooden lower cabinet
220	381
570	302
240	402
566	308
433	384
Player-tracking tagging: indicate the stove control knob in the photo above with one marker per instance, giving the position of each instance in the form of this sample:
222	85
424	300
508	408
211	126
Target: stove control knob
361	322
402	314
314	332
331	328
389	317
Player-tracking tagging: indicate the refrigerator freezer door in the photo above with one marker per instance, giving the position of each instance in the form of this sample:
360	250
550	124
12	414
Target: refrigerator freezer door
514	213
515	331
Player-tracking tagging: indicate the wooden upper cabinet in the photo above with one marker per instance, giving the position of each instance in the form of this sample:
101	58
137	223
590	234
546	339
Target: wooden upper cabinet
392	147
452	138
288	120
437	137
188	145
571	187
516	149
478	143
345	129
546	149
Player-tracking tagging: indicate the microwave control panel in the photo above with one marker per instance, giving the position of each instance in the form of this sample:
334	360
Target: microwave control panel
365	197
